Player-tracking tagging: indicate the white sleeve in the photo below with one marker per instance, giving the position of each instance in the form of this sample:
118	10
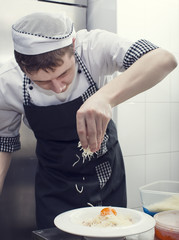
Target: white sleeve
105	53
10	111
102	51
9	131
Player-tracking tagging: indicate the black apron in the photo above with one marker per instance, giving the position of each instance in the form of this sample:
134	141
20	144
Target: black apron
64	179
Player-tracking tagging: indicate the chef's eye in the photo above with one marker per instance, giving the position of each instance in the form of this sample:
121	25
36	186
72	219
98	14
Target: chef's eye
65	73
43	82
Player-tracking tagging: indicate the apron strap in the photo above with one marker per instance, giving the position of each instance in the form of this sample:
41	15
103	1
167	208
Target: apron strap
26	95
85	69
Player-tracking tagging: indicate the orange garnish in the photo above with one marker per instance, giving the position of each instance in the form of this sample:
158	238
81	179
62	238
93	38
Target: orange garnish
108	211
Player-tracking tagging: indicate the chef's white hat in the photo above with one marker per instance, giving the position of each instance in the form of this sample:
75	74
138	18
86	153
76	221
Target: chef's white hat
42	32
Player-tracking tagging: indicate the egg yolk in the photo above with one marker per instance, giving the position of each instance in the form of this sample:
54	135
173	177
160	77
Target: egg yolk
108	211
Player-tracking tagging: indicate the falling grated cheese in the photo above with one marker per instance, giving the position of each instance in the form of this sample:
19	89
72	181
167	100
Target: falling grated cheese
86	152
80	191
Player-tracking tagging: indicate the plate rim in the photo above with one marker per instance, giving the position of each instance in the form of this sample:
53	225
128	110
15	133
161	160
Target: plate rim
150	221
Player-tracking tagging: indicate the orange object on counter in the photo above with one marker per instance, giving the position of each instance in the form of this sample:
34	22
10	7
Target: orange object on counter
108	211
167	225
164	235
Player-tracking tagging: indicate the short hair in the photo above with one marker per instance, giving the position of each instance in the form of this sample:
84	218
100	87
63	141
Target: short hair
45	61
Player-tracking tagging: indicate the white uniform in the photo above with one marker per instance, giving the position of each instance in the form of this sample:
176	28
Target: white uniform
102	52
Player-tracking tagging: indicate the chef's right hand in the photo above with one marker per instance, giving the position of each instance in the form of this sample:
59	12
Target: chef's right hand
92	120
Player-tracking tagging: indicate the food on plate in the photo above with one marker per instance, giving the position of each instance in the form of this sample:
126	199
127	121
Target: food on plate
108	211
108	217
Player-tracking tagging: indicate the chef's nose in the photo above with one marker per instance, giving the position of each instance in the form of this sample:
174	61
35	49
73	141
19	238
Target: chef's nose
57	86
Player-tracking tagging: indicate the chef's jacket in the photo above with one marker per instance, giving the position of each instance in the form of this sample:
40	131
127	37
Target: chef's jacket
102	52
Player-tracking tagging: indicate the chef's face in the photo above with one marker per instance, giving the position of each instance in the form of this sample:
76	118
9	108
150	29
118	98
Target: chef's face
57	80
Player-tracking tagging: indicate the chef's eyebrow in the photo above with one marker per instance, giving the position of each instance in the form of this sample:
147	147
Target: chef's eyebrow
41	80
50	80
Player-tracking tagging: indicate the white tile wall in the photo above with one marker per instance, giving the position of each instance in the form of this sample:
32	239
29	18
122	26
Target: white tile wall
148	124
134	179
157	130
158	167
174	166
150	138
175	127
175	78
131	128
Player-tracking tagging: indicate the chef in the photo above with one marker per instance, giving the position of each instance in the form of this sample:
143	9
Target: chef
58	84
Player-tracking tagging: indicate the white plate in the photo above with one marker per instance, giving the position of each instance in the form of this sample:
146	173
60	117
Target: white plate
71	222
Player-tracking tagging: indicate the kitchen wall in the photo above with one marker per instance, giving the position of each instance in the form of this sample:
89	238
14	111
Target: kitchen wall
148	124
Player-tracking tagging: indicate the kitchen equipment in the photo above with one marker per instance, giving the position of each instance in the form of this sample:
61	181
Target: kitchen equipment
160	196
167	225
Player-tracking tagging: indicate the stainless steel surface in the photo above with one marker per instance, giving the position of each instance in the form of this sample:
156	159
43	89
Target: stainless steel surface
11	11
56	234
17	204
82	3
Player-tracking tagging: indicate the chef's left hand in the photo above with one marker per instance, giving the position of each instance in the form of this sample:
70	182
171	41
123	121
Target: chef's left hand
92	120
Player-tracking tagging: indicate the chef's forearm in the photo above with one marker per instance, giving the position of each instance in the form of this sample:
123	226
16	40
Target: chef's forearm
5	159
145	73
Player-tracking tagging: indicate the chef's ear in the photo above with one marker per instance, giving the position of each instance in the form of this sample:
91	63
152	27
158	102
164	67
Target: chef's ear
74	43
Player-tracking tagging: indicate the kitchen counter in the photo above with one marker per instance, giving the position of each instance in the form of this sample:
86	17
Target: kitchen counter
57	234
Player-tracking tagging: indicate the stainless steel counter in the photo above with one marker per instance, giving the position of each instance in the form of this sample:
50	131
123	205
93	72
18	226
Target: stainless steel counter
56	234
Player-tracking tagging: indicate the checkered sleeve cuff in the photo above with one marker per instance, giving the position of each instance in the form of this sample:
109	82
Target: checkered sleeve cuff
137	50
10	144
